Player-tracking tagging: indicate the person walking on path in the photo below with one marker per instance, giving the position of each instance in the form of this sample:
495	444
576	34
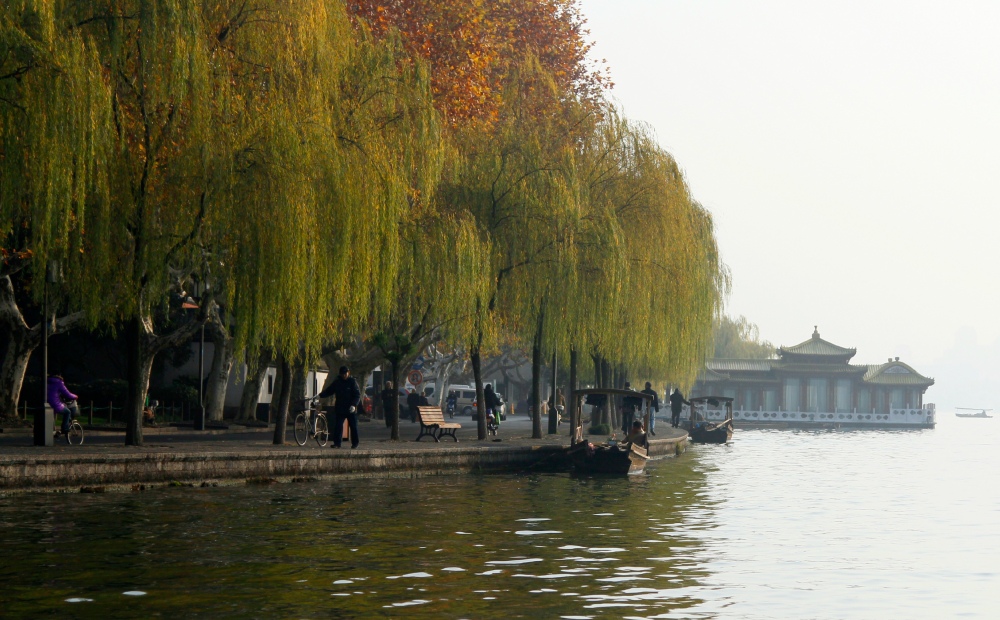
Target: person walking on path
386	396
655	407
58	395
677	403
412	402
347	394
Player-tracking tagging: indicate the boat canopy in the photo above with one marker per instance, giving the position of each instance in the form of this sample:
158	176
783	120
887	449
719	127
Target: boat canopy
579	397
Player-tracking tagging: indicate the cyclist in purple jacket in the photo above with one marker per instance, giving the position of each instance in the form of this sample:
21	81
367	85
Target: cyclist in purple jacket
58	396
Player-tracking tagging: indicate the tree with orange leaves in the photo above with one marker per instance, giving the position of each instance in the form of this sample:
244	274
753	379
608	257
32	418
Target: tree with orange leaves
473	47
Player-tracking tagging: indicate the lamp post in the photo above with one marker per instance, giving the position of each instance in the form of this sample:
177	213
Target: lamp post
198	422
45	422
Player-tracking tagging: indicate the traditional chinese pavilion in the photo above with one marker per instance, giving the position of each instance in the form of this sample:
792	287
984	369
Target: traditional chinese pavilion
815	381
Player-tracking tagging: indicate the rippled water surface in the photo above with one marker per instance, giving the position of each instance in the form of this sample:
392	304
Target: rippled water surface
779	524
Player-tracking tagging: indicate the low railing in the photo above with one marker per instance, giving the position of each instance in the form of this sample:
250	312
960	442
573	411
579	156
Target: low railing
901	416
114	415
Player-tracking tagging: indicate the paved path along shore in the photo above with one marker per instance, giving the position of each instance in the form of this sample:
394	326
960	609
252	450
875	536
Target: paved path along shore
172	455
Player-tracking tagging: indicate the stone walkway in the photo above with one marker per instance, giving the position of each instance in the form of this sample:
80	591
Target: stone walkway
170	454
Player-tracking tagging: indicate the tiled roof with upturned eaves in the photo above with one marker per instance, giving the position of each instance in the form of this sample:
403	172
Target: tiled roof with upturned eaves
739	365
895	373
817	346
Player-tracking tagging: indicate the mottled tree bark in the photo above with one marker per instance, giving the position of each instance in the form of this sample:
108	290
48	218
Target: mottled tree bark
142	346
217	382
251	386
284	398
21	340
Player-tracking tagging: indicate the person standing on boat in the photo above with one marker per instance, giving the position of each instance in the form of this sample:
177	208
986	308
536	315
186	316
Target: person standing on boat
677	403
655	406
630	404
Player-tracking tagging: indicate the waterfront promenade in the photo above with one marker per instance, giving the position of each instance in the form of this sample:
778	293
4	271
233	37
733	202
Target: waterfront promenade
177	455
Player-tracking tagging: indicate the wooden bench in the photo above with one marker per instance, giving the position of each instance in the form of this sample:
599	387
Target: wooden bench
432	423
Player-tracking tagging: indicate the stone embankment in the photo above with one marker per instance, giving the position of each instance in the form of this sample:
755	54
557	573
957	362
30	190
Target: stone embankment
173	456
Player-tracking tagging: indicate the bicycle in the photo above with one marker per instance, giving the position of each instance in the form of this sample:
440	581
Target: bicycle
302	428
75	435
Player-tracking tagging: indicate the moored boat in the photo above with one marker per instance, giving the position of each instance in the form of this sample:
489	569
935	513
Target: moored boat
628	457
700	430
589	458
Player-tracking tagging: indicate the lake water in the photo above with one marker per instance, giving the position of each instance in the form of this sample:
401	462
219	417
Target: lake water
779	524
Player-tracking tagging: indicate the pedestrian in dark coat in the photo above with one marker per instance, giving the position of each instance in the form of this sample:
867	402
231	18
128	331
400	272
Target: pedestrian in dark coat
677	403
655	406
387	401
413	401
347	394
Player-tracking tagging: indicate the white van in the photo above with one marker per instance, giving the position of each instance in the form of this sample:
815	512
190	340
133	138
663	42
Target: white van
466	398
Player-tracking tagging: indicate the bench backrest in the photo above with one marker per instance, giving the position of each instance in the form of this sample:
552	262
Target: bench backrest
430	415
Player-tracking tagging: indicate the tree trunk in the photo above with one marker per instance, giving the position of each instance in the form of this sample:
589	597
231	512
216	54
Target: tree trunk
536	378
554	411
297	400
574	414
139	356
251	386
392	407
606	383
14	365
284	397
218	376
142	345
536	394
21	341
477	373
274	407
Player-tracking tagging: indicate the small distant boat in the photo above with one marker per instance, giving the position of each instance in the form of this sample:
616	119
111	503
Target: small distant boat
701	430
981	413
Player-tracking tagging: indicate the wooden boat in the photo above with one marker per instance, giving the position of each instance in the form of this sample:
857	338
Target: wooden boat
701	430
982	413
627	458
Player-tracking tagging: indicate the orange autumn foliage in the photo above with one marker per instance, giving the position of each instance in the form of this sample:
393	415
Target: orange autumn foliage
474	45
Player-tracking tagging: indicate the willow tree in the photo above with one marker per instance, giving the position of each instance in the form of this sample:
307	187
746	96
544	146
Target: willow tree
219	144
657	280
55	150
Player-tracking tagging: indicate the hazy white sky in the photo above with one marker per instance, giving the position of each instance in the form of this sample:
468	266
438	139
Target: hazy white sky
849	152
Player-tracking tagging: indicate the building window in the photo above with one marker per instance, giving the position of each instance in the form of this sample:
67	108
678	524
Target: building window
270	384
843	395
897	398
749	402
864	400
770	399
792	387
816	395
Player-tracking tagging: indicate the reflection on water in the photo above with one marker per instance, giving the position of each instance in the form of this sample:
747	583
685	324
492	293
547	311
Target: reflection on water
453	546
778	525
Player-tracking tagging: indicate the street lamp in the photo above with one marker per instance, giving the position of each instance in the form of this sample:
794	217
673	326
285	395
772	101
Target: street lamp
45	423
200	287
